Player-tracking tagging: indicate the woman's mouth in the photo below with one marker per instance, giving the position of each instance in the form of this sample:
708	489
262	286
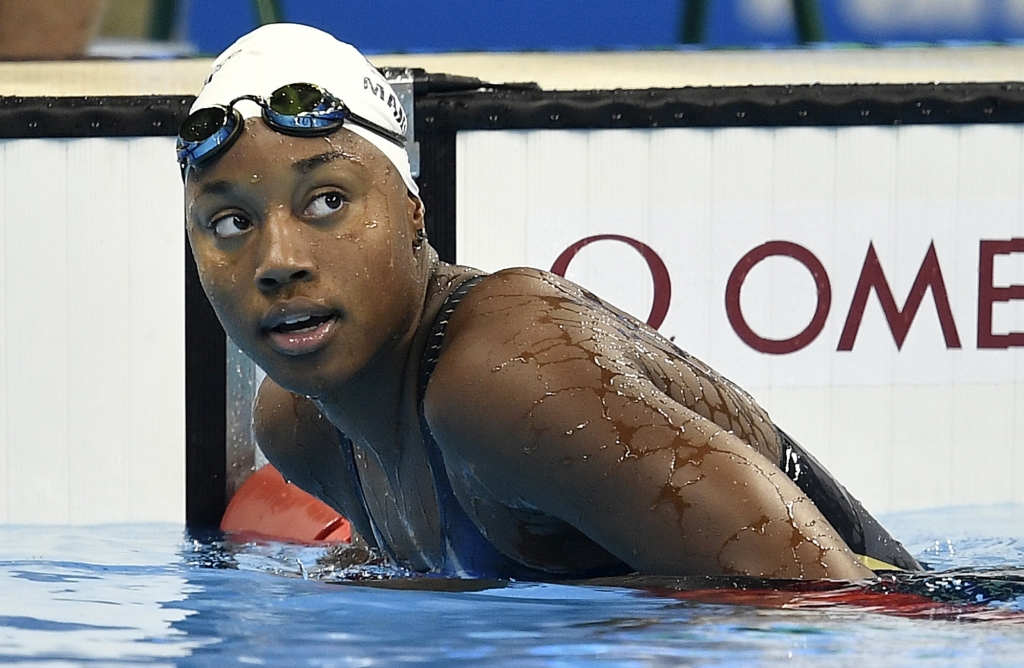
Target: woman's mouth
301	334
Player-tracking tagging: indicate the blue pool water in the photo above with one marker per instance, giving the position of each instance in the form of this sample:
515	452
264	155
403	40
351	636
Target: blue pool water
149	595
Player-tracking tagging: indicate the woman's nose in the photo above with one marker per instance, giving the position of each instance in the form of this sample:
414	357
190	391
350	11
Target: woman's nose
286	258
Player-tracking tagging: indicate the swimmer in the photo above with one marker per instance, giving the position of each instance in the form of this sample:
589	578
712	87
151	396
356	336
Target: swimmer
497	425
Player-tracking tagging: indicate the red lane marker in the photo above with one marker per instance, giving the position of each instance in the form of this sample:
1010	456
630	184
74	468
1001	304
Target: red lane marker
267	506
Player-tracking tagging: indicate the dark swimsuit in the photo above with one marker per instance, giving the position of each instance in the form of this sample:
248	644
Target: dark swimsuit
855	525
468	553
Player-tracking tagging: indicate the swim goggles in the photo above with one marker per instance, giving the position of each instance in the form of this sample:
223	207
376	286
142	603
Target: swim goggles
296	109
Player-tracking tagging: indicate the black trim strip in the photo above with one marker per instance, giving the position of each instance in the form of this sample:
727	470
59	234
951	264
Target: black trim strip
114	116
748	106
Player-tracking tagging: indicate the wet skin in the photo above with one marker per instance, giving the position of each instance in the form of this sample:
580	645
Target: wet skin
574	436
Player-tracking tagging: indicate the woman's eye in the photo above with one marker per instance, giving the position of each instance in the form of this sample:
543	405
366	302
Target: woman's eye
230	226
324	205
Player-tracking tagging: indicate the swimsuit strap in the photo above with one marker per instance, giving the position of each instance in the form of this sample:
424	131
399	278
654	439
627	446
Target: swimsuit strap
432	352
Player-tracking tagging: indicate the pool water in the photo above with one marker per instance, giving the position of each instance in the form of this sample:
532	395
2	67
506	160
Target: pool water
152	595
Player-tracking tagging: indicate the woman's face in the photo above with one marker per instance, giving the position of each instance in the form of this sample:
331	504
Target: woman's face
305	247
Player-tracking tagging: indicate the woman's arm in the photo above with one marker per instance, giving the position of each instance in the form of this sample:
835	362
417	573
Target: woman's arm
306	448
542	398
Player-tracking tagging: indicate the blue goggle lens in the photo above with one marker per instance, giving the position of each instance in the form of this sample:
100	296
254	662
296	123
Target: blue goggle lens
204	132
298	99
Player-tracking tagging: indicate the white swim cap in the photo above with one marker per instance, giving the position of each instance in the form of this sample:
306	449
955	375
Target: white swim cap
279	54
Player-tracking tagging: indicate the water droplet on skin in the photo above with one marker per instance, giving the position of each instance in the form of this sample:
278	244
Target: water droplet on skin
255	178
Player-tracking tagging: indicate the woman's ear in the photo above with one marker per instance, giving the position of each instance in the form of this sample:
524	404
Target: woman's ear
414	210
415	220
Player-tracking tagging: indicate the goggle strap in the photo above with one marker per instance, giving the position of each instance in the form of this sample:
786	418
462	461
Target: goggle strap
393	137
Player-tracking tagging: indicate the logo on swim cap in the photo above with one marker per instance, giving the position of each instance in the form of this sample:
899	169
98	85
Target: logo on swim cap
220	63
390	99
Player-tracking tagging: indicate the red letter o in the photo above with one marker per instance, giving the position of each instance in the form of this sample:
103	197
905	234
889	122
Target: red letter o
735	283
659	272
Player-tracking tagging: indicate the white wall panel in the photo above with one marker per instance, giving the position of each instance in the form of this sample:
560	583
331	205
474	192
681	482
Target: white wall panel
681	210
553	205
741	199
97	285
925	424
36	311
156	382
613	183
92	349
1015	422
495	200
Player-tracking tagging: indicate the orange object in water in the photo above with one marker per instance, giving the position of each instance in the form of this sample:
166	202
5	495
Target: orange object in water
268	506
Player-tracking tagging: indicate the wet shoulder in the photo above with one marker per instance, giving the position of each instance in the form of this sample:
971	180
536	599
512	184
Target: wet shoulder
524	331
512	291
515	309
518	338
521	326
